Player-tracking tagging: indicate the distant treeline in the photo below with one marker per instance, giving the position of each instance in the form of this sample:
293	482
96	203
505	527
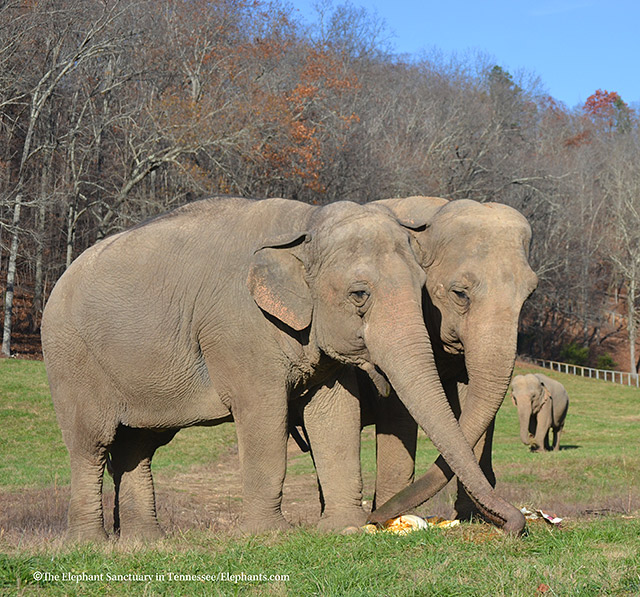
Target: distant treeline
115	110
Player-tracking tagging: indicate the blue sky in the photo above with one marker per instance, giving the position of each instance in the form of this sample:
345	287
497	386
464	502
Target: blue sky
574	46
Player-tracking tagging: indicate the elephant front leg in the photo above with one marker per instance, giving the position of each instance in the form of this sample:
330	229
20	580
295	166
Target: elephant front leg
540	441
262	447
332	422
396	439
465	507
543	422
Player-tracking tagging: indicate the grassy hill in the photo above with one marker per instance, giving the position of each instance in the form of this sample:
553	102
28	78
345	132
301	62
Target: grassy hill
593	483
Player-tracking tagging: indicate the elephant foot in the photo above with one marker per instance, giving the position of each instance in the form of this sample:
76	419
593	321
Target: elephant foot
352	531
254	525
86	535
144	534
342	521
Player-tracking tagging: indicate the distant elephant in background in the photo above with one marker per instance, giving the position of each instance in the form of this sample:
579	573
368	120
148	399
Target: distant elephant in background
477	278
236	309
542	406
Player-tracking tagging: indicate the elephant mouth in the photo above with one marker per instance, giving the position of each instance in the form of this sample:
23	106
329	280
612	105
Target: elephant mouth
454	349
378	378
447	341
449	346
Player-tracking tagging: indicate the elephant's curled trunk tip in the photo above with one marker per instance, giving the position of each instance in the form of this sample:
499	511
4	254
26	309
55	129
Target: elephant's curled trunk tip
516	526
512	521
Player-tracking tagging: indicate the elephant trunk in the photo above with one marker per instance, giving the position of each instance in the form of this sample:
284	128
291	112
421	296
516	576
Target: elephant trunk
490	350
524	416
402	350
490	355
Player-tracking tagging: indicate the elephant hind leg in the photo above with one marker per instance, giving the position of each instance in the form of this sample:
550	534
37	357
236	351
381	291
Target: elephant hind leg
134	514
556	439
87	445
85	516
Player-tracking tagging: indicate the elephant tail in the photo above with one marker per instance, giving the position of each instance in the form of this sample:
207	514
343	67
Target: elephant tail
302	443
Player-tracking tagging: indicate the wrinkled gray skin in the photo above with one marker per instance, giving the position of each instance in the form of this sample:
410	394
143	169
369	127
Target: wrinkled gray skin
477	278
542	407
232	309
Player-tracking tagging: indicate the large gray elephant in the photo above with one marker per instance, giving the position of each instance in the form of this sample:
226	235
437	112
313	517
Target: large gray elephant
231	309
475	257
542	405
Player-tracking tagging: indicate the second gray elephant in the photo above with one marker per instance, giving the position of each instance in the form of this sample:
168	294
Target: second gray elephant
542	407
474	257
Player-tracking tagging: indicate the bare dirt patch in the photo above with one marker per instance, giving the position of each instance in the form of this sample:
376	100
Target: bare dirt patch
33	517
204	497
211	496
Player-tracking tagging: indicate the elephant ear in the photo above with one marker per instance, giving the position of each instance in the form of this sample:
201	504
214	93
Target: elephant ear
277	282
416	214
541	397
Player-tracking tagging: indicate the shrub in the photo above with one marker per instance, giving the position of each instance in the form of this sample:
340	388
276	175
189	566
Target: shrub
574	354
605	361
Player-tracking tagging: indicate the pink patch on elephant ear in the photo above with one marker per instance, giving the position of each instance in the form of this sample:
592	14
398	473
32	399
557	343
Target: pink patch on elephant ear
276	282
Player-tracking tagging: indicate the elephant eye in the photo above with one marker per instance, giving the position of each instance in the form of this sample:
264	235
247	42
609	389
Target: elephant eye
359	297
461	295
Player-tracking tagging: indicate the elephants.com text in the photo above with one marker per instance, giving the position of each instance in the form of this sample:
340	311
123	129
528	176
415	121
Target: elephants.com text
158	577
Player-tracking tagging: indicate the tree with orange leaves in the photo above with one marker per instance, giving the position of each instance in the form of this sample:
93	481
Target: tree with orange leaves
608	108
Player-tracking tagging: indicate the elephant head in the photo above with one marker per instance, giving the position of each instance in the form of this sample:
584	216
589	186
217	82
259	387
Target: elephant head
351	281
476	261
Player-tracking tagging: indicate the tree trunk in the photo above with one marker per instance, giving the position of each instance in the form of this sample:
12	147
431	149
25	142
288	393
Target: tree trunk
38	291
71	231
36	308
11	278
631	324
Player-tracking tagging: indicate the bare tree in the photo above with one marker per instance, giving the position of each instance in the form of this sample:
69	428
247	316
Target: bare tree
621	183
63	50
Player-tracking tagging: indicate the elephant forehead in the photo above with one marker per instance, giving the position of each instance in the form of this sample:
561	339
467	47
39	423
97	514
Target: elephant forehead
477	230
520	383
475	246
365	233
494	212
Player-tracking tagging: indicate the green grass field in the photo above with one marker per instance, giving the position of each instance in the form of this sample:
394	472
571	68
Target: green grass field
593	483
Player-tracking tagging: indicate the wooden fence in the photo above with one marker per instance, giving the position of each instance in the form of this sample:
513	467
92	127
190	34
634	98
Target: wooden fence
620	377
